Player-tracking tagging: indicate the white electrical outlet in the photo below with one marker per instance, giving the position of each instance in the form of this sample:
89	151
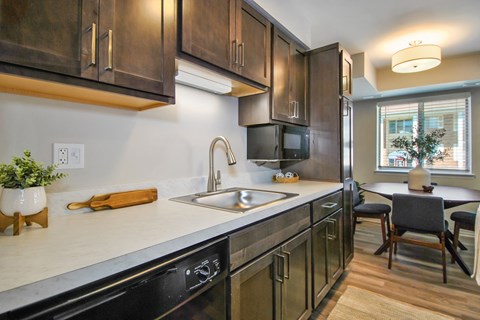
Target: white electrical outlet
68	155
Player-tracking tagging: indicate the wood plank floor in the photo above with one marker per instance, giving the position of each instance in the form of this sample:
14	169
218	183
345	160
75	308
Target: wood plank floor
415	277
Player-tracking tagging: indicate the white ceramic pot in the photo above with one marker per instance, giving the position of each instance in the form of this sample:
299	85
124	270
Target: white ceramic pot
418	177
26	201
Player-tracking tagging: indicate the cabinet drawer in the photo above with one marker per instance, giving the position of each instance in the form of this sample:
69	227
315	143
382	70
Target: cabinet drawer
324	206
259	238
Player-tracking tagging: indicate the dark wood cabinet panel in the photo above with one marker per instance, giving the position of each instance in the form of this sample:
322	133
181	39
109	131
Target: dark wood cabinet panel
286	101
346	77
44	34
321	281
208	30
299	86
335	245
228	34
282	60
253	289
327	255
296	288
348	235
254	52
129	45
289	72
132	46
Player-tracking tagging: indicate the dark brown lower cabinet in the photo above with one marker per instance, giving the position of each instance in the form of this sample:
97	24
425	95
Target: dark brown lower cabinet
277	285
327	254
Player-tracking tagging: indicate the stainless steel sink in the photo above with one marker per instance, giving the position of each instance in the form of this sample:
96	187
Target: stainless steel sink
236	200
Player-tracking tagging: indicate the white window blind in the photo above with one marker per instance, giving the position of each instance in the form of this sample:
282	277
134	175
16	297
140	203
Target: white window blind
404	117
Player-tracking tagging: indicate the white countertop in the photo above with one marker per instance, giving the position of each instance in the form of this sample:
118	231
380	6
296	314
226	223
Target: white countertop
77	249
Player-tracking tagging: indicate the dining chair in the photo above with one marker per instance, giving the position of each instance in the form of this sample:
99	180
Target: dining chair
419	214
371	210
463	220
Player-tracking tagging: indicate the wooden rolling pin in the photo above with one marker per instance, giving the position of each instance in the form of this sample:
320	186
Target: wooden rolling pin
117	200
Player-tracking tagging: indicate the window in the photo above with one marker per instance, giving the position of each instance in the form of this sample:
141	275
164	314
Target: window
402	118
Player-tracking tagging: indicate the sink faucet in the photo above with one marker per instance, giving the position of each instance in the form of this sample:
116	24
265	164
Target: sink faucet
213	181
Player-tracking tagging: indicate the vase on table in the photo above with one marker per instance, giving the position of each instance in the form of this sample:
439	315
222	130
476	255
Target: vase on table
419	177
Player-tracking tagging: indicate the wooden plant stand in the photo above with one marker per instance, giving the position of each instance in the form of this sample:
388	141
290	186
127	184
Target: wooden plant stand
18	221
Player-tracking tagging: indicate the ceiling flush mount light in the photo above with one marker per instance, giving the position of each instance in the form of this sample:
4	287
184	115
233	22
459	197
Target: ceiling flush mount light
418	57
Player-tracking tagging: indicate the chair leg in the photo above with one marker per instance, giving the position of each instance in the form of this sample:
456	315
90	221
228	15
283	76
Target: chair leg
354	223
394	233
387	217
392	237
444	258
456	233
384	233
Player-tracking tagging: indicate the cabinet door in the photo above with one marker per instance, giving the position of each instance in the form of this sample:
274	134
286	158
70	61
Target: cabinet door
208	31
321	283
282	107
136	45
335	245
346	74
298	94
254	49
48	34
296	291
255	289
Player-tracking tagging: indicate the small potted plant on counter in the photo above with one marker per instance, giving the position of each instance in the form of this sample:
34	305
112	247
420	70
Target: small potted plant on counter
23	182
423	147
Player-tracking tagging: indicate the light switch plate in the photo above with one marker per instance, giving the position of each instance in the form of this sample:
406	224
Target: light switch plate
69	155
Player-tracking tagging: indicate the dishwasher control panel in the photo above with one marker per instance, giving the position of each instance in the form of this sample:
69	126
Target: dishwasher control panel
202	271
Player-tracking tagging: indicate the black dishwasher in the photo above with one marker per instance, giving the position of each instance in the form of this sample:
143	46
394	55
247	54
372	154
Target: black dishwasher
189	286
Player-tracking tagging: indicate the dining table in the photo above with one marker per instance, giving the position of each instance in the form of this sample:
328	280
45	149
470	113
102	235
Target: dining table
452	197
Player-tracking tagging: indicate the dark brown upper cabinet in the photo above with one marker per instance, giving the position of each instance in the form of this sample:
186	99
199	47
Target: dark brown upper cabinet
289	76
47	34
119	47
286	101
228	34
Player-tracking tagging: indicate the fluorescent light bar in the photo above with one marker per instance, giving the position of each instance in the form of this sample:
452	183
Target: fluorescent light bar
194	77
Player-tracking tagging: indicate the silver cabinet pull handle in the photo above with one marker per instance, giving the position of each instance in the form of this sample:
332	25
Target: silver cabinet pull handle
290	114
334	235
280	266
93	60
287	255
329	205
242	52
297	104
110	51
235	51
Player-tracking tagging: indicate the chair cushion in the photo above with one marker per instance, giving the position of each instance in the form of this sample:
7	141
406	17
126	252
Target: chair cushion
372	208
464	217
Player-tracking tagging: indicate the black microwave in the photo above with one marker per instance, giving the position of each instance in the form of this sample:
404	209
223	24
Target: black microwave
277	142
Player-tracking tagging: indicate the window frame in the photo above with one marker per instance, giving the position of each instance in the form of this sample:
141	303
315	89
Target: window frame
418	100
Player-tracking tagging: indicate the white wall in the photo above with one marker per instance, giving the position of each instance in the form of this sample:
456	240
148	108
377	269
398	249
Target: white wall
123	147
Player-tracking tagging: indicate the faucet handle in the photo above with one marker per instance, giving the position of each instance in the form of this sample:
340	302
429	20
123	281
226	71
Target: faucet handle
218	179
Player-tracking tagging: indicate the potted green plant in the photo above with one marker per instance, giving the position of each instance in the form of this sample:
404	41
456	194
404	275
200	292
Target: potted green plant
422	147
23	181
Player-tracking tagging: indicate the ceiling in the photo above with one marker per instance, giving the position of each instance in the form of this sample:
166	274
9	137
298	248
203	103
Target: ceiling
381	27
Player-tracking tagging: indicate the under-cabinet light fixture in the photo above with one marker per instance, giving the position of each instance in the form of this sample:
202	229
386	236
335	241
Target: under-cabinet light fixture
193	77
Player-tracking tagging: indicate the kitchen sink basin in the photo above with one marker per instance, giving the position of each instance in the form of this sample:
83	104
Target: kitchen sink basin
236	200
